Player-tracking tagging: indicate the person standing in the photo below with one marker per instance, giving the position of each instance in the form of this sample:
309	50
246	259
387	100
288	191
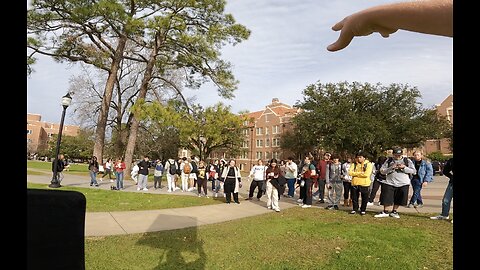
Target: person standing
448	195
377	181
232	181
361	172
171	169
394	190
291	172
119	173
93	169
108	169
306	182
258	173
60	167
347	183
322	169
420	179
157	174
143	173
334	183
272	174
202	179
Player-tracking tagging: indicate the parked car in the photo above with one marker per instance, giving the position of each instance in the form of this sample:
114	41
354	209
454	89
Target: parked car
437	167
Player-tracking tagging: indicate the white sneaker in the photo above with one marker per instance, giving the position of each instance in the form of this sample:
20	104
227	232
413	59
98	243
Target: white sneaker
277	210
169	191
199	195
300	200
138	188
369	203
145	189
306	206
440	217
269	207
216	195
382	214
111	181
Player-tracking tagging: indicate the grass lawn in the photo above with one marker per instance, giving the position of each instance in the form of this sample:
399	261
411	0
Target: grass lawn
99	200
292	239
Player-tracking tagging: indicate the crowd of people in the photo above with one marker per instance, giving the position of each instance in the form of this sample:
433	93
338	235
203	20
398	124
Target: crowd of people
357	180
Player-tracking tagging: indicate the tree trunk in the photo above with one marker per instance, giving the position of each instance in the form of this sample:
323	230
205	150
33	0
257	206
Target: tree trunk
107	98
132	138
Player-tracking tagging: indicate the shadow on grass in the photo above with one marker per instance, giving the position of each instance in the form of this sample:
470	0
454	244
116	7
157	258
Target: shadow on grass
180	249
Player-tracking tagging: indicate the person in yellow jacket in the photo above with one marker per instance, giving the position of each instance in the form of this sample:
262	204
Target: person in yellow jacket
360	172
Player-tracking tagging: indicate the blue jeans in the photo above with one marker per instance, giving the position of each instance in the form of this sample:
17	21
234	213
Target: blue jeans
417	188
119	176
93	178
447	199
291	186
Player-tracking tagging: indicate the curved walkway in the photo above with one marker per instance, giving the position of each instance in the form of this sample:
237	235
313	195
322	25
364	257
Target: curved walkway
127	222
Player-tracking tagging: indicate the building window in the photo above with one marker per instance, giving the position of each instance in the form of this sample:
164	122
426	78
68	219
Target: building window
267	143
244	155
259	143
245	132
259	131
276	129
267	155
275	155
245	144
29	131
246	122
276	142
266	131
259	155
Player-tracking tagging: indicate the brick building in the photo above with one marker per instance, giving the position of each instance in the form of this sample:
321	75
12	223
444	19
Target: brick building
442	145
39	132
263	132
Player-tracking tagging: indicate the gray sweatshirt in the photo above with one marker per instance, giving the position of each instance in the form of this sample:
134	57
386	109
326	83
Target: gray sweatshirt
397	177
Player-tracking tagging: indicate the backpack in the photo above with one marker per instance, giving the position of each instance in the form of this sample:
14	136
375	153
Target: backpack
187	168
173	168
194	167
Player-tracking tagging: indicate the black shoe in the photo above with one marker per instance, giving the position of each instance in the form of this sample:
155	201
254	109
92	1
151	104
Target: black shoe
248	199
329	207
237	202
321	201
335	207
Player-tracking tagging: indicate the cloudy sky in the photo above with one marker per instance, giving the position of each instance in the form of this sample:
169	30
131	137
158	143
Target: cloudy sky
286	52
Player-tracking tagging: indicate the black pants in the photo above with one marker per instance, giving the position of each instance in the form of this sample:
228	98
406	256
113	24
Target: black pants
321	189
202	183
363	191
373	193
229	187
157	181
347	190
255	184
306	192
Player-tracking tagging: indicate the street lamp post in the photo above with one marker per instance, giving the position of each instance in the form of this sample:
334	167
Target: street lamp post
66	100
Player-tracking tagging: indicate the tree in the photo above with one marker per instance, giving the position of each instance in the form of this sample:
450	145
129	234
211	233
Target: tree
187	36
203	131
76	147
92	32
347	117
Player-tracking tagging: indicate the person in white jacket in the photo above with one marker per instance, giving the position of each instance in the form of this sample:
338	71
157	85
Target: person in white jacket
134	173
258	174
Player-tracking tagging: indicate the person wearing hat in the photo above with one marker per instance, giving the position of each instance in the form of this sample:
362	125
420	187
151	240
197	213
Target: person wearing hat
360	171
394	189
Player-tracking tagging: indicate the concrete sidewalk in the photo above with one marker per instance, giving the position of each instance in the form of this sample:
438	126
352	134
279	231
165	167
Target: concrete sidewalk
127	222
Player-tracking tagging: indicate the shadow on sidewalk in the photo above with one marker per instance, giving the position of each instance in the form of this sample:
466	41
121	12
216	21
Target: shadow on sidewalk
176	249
